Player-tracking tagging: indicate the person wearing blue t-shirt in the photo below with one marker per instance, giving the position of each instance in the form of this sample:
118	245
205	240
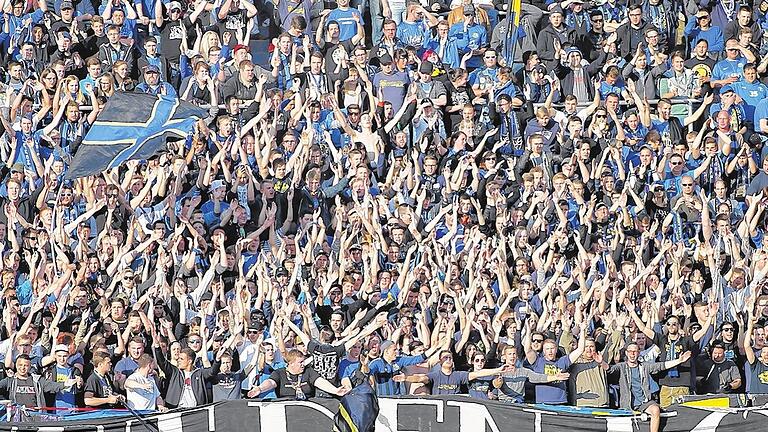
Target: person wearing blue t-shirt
470	36
548	364
349	19
445	380
702	28
761	116
735	109
61	368
414	30
445	46
124	18
750	89
18	15
386	370
730	69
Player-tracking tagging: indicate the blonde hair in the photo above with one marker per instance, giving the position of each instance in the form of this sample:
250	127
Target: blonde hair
205	45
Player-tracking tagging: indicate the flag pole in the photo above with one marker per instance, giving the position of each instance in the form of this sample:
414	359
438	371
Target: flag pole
513	17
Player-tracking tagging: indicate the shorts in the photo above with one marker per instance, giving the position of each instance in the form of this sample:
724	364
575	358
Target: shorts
670	395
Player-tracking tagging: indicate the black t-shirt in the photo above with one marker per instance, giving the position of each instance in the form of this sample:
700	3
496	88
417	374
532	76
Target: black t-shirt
332	60
679	376
455	97
287	383
25	392
702	67
325	360
171	35
235	22
99	387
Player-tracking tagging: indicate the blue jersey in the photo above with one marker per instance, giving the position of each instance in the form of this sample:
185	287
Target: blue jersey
413	33
752	93
727	68
761	112
448	51
470	38
346	20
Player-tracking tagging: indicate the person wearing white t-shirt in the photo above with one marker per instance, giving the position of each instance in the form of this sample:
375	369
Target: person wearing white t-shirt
141	389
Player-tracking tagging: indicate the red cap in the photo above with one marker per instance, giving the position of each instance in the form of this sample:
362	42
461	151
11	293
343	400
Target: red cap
239	47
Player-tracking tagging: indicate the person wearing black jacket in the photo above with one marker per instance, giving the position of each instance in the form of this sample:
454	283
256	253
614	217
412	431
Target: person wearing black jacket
631	33
552	37
186	385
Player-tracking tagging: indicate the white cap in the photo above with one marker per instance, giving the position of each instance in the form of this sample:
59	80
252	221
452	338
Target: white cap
217	184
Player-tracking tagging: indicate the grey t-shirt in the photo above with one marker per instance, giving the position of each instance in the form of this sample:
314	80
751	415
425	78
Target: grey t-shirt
226	386
25	392
443	384
513	388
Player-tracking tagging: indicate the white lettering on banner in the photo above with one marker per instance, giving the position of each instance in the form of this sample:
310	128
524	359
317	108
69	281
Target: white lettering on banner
619	424
170	422
470	414
272	414
211	419
387	419
712	421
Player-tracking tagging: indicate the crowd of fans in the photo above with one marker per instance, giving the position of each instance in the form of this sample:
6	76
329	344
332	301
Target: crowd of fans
422	197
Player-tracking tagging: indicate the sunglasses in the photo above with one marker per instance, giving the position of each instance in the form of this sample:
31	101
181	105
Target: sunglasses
537	340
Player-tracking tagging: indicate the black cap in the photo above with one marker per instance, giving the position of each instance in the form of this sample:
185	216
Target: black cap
469	9
281	271
426	67
385	59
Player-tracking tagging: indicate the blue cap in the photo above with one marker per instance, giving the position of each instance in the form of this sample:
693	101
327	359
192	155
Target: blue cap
726	88
152	69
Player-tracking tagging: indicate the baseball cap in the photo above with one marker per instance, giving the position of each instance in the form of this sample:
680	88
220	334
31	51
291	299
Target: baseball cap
238	47
60	347
66	35
469	9
17	167
426	67
556	10
174	5
384	345
216	184
66	4
281	271
385	59
726	88
152	69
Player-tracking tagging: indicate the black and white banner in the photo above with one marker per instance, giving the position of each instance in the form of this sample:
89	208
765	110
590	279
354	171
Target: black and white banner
431	414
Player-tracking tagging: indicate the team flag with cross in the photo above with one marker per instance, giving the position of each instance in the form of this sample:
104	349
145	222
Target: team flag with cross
133	126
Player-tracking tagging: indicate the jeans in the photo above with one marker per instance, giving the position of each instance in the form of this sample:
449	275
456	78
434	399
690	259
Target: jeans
377	17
